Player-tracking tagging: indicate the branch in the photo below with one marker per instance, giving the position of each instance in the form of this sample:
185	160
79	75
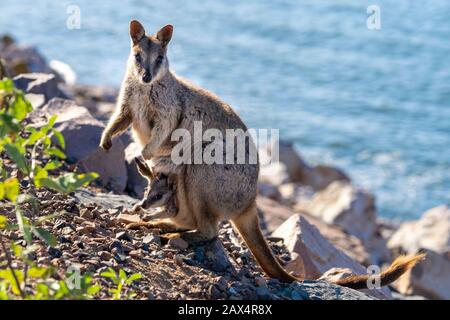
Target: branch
9	262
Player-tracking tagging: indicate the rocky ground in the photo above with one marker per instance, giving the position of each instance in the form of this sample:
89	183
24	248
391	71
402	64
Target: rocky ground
315	218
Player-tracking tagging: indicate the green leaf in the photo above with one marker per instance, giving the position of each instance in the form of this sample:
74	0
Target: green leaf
3	221
52	120
16	154
59	138
24	226
11	189
40	173
2	190
20	107
134	277
6	85
55	152
122	275
34	136
8	275
69	182
37	272
93	289
45	236
54	164
8	124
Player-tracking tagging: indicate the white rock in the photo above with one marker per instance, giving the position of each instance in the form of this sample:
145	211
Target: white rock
431	231
430	278
312	255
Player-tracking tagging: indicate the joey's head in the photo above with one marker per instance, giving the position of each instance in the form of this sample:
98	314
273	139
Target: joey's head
160	189
148	57
159	192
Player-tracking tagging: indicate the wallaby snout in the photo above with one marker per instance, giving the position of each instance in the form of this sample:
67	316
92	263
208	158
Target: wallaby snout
147	77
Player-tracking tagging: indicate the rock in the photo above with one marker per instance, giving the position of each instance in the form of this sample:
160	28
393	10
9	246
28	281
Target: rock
105	255
22	58
295	166
106	200
346	206
352	209
39	83
85	229
86	214
322	290
214	292
178	243
263	293
275	174
292	168
54	252
431	231
152	237
99	100
312	255
275	214
429	279
128	218
123	235
269	191
82	133
64	71
136	183
294	192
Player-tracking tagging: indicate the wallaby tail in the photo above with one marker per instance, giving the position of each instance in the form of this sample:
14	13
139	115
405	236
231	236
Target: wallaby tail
248	226
400	265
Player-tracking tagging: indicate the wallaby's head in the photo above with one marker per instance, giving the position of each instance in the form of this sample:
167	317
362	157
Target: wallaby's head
160	190
148	57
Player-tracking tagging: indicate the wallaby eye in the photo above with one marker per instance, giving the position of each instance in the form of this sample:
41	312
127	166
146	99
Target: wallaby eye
157	197
159	59
138	57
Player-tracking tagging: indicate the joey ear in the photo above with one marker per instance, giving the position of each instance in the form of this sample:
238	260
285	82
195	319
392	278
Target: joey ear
137	31
143	168
165	34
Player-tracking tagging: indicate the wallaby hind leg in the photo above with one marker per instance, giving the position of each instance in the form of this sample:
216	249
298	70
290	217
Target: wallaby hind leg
207	231
164	226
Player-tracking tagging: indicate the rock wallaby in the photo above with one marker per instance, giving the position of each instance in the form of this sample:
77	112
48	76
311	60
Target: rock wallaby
154	102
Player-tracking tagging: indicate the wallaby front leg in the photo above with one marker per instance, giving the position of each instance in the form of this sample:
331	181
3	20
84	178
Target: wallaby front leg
119	122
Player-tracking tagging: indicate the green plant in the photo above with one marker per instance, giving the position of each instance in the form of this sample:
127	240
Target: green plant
35	153
120	279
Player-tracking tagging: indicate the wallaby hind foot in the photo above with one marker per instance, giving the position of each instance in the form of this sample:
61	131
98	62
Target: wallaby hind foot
163	226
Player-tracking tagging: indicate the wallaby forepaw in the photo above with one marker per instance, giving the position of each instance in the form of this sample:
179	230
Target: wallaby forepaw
106	143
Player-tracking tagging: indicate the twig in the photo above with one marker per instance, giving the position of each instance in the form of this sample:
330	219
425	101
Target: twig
9	262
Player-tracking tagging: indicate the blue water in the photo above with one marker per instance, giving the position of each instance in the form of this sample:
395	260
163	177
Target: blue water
374	102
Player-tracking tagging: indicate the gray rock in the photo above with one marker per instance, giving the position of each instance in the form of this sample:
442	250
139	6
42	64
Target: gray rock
107	200
44	84
321	290
82	133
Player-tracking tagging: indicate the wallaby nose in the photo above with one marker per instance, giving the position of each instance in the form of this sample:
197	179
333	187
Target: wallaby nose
147	77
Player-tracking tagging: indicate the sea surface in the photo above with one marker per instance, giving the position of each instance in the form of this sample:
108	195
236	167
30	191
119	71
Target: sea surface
374	102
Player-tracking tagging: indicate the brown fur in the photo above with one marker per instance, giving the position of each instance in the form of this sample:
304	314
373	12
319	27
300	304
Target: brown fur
155	102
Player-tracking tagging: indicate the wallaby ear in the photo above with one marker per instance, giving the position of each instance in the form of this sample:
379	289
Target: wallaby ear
165	34
143	168
137	31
